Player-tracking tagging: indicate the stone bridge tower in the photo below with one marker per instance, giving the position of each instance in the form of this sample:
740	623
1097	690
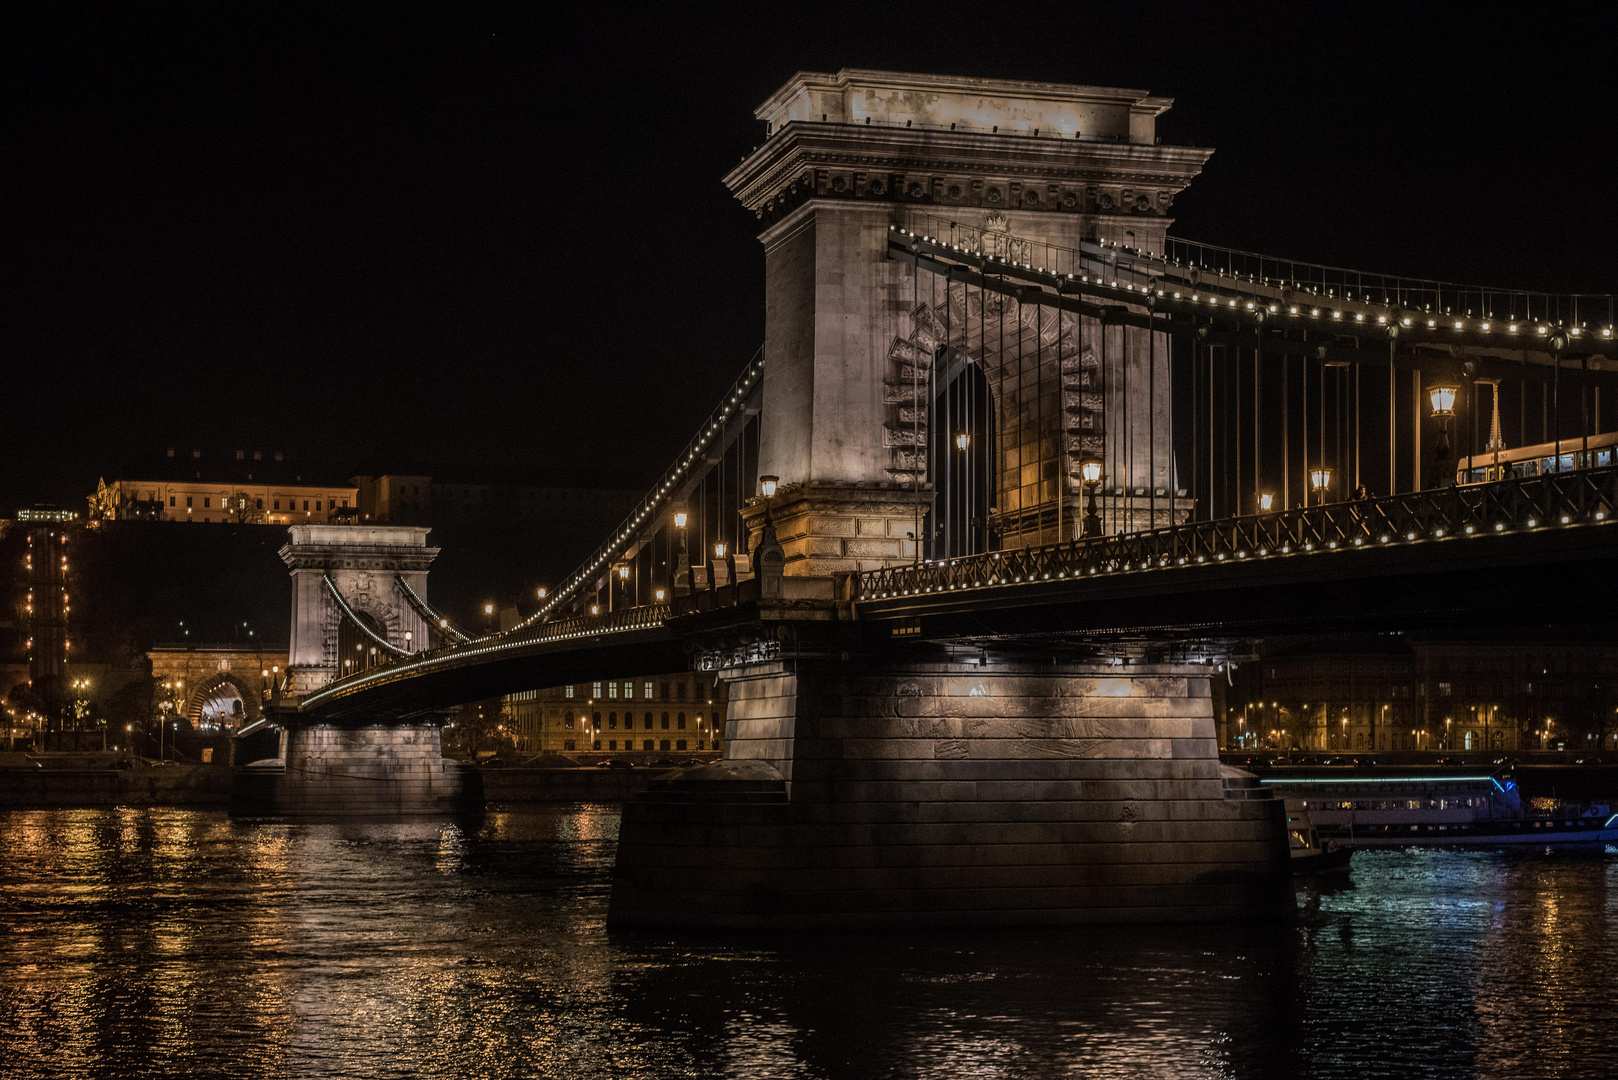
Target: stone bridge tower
364	562
849	154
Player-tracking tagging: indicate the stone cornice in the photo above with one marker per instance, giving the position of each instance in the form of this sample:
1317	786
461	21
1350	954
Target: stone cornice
846	78
943	168
357	557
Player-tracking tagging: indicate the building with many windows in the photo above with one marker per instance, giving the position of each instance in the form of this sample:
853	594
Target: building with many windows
642	719
244	488
1409	693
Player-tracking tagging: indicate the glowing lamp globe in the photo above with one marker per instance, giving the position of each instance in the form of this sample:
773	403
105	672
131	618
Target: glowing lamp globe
1443	399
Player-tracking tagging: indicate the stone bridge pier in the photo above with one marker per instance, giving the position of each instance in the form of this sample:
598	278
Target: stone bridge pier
955	790
353	768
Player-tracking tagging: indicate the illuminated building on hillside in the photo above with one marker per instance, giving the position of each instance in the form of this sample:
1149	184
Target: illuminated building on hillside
244	489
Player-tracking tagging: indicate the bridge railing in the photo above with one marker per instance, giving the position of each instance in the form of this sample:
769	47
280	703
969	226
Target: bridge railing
648	617
1553	500
633	618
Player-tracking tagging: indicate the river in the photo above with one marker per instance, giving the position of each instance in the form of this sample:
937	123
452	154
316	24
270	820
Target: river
169	943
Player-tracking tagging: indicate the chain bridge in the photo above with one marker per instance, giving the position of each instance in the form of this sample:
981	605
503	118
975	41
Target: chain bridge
1013	474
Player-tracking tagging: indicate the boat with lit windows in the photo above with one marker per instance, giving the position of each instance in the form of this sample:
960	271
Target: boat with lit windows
1411	807
1310	853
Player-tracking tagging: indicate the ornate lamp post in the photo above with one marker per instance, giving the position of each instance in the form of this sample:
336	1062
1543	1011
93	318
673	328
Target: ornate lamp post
1320	482
1443	400
1090	473
682	566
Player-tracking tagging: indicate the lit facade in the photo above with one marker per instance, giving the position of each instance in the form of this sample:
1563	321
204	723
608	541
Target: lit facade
1428	695
646	717
244	489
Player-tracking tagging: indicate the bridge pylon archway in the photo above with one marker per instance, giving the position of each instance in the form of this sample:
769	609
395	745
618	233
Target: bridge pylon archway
366	564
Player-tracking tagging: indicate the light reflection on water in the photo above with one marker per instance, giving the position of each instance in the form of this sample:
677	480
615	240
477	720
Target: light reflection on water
172	942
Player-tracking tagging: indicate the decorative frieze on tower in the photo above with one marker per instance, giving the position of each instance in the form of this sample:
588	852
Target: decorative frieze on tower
854	339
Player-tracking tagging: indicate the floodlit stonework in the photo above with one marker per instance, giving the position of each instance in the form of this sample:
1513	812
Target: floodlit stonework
851	401
953	793
363	561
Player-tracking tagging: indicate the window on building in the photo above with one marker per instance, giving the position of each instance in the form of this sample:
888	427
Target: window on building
629	690
665	744
612	744
679	721
567	719
567	691
567	744
679	744
679	690
278	504
171	500
646	744
207	502
648	691
345	504
188	502
306	506
596	745
682	720
665	721
595	690
612	719
317	504
663	691
648	719
612	690
1443	689
258	504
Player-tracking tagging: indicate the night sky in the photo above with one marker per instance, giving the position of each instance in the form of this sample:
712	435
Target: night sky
479	239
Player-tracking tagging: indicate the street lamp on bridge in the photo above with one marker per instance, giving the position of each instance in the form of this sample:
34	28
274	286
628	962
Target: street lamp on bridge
1320	481
1442	397
1090	473
682	566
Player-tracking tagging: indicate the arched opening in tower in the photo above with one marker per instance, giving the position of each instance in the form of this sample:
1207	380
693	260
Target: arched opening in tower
961	458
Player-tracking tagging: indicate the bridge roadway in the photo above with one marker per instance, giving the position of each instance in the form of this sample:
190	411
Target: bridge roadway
1514	552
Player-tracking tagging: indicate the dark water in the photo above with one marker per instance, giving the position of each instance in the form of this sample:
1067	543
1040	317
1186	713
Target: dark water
177	943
